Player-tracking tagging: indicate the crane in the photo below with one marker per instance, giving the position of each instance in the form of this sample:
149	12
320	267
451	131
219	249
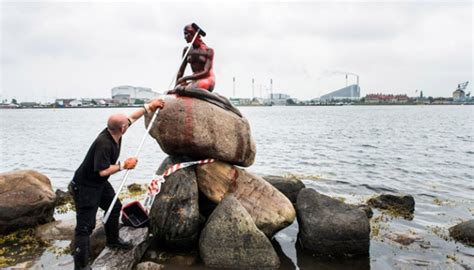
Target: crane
463	86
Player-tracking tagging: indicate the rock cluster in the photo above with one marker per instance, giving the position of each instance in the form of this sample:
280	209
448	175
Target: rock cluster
227	212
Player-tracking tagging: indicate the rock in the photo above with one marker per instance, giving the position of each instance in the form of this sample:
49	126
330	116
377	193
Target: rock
192	127
23	265
329	227
135	188
97	241
63	198
184	260
56	230
206	206
121	259
463	232
230	239
403	238
149	266
269	208
368	211
174	215
397	205
290	187
27	199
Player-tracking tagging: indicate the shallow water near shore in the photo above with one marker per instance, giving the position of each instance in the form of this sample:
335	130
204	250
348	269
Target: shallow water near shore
349	152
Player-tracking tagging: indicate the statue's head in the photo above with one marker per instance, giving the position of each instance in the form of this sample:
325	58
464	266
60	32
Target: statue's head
190	30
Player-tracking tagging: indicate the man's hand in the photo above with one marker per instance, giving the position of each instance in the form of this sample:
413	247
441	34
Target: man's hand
130	163
155	104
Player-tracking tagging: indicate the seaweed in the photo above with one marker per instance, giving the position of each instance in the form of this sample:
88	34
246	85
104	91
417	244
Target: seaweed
19	246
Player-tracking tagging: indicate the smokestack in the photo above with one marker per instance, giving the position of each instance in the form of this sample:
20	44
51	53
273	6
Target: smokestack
253	90
233	86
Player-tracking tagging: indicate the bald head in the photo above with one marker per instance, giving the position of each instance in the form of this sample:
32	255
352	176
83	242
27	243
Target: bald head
116	122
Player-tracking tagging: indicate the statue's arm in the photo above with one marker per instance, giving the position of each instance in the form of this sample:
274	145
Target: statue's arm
182	68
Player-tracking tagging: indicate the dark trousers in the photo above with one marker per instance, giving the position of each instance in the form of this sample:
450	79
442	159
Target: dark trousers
88	200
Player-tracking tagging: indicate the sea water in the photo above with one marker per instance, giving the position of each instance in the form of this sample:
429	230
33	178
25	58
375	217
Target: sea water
348	152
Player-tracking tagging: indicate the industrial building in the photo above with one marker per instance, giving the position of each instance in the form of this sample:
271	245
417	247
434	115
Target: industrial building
459	95
130	94
349	92
280	99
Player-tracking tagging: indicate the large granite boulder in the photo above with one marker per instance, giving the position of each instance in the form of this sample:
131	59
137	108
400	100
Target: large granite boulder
26	200
193	127
269	208
290	187
230	239
174	215
329	227
463	232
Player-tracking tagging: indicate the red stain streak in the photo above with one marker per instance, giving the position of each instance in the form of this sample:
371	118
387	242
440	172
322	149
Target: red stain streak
188	120
235	175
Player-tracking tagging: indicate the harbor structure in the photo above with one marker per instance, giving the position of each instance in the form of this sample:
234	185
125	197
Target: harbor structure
351	92
459	95
278	98
130	94
386	98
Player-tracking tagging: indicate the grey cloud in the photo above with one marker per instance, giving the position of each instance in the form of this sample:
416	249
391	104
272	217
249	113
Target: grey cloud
141	43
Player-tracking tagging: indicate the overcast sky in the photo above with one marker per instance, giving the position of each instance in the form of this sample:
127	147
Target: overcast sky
83	49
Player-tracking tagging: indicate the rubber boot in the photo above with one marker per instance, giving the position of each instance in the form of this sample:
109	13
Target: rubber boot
112	235
81	253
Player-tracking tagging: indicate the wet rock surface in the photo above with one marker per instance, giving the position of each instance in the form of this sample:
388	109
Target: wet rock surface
149	266
230	239
367	210
463	232
403	205
290	187
120	259
192	127
27	200
174	215
63	197
329	227
56	230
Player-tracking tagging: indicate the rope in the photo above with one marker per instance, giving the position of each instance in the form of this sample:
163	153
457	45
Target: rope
155	185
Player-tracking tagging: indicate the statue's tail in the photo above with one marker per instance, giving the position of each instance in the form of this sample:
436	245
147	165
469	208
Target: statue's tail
212	98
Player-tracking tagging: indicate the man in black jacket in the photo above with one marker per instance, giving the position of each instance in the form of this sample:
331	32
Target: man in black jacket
91	189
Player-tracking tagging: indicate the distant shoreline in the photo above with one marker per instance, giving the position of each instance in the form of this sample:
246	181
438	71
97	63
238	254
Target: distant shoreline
295	105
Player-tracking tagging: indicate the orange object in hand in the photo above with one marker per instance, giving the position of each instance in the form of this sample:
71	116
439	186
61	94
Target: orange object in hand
130	163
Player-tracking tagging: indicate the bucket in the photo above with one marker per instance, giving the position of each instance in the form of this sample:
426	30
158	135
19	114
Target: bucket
134	215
